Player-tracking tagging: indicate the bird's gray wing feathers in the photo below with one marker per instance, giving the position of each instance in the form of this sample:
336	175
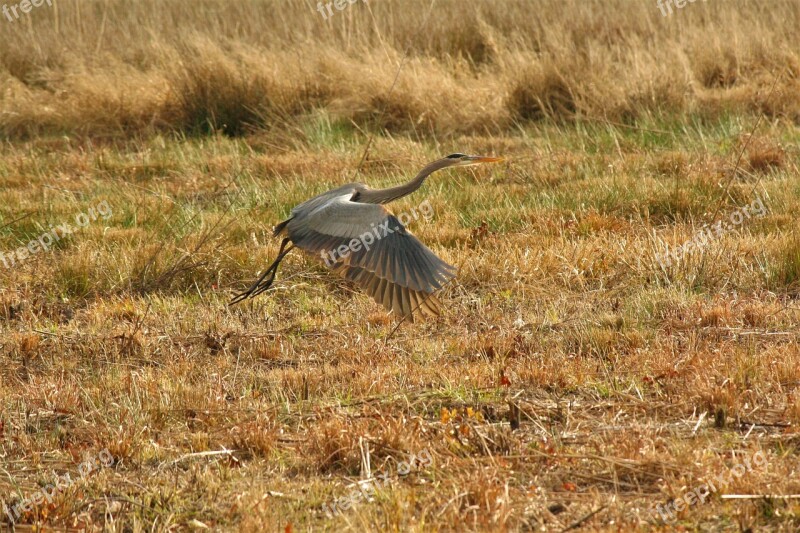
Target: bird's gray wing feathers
368	245
402	301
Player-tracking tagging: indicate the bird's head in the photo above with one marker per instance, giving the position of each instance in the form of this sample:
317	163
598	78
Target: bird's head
463	160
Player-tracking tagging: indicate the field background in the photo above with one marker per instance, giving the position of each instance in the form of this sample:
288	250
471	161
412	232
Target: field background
572	380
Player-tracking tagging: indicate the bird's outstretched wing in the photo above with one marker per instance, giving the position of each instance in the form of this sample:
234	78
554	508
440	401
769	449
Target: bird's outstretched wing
368	245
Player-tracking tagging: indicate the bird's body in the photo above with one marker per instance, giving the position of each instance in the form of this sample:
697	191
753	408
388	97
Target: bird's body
357	237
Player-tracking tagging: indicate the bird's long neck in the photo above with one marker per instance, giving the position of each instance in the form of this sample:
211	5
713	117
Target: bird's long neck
384	196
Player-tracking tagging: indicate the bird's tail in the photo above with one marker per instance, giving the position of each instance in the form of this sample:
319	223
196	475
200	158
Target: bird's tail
280	227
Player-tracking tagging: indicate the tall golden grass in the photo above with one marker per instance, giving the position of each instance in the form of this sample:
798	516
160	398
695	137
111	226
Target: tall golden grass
573	382
115	68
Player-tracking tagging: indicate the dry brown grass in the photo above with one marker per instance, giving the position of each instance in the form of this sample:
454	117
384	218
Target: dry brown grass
119	69
572	379
568	373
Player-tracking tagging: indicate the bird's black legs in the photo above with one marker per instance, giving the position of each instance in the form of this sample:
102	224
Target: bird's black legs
263	284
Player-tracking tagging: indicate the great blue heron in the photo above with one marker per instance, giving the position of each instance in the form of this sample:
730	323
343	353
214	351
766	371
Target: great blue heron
368	244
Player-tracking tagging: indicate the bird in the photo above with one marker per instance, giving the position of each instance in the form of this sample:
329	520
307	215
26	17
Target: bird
368	245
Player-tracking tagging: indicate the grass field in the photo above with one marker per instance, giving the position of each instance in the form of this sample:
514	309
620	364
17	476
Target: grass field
575	380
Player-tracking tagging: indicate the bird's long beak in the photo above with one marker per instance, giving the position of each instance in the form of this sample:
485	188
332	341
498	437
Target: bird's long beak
482	159
470	160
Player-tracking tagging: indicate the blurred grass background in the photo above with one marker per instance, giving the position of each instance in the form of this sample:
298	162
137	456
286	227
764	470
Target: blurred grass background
120	69
571	379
